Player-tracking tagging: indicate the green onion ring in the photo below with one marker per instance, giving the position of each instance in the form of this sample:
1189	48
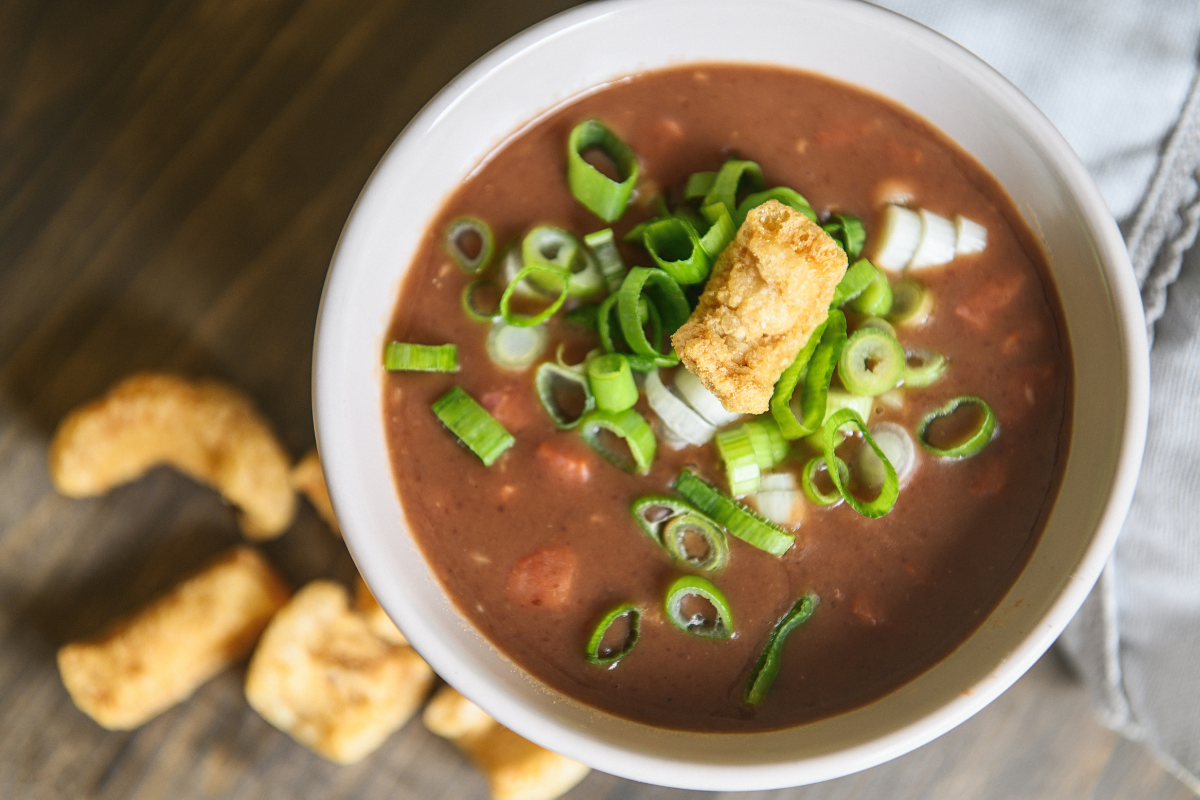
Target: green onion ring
527	271
698	184
667	238
818	373
672	507
789	197
926	372
729	180
973	444
847	230
408	357
470	307
742	471
912	303
738	519
513	347
720	628
628	425
552	245
450	242
600	194
593	654
473	425
876	299
879	323
857	278
871	362
543	380
767	667
612	266
720	232
671	304
809	487
890	490
770	447
604	327
612	382
781	398
675	533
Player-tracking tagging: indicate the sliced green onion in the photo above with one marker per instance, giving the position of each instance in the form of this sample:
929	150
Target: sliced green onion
677	416
695	540
511	264
647	313
923	368
890	490
857	278
695	622
739	520
472	306
767	440
938	242
818	373
912	303
876	299
702	400
896	445
552	245
847	230
600	194
515	348
474	426
548	379
408	357
699	184
973	441
781	398
871	362
730	179
627	425
544	271
720	232
741	465
612	382
662	293
601	653
767	667
612	266
789	197
808	484
586	315
675	246
900	233
776	497
452	242
653	511
879	323
837	399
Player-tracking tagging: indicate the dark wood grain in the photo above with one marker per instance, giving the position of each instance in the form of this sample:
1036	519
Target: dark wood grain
173	179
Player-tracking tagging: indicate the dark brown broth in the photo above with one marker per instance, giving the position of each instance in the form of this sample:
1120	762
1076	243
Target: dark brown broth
897	594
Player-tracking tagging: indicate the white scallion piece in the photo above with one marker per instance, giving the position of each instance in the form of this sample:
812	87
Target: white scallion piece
972	237
899	238
511	264
702	400
938	241
677	417
515	348
897	447
893	399
777	497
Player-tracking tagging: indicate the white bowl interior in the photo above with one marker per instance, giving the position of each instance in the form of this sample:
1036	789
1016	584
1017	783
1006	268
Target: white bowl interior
890	56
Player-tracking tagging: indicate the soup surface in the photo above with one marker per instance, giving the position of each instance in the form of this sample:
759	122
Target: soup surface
537	547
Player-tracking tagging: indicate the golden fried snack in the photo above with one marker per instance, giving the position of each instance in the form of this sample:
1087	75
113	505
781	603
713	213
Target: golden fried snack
307	477
203	428
146	663
769	289
377	619
515	768
321	676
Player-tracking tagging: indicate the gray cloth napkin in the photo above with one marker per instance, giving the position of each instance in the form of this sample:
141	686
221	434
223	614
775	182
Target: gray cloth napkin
1118	79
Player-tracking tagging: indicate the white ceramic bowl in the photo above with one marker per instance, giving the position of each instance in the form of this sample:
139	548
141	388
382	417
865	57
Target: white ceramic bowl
856	43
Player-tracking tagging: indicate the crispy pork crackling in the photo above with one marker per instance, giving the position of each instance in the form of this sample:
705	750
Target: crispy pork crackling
769	289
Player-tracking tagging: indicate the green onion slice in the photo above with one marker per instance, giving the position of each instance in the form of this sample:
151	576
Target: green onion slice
857	278
550	380
408	357
766	438
781	398
543	271
923	368
695	540
720	232
879	323
742	471
661	292
476	236
601	649
817	372
912	303
675	246
789	197
699	184
876	299
627	425
586	315
693	615
552	245
871	362
481	301
738	519
973	441
767	667
734	175
604	247
514	347
647	314
599	193
474	426
654	510
808	481
890	490
847	230
612	382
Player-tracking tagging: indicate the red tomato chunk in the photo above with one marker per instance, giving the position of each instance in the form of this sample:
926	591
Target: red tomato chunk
543	578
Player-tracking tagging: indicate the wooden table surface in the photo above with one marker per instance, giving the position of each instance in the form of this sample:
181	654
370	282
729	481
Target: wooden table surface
174	175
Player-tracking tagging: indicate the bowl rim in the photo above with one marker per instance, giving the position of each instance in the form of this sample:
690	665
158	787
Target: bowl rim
655	769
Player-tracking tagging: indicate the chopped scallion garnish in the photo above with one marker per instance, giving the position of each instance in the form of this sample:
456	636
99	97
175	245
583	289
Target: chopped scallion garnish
481	301
742	471
675	246
515	348
767	667
968	444
696	606
739	520
876	299
789	197
888	493
847	230
912	303
600	194
871	362
469	242
923	368
662	293
627	425
608	643
408	357
550	380
612	382
734	177
474	426
543	272
612	266
808	481
816	364
858	277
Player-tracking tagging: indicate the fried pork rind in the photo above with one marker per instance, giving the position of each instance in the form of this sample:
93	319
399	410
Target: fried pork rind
769	289
146	663
320	675
203	428
308	478
515	768
377	619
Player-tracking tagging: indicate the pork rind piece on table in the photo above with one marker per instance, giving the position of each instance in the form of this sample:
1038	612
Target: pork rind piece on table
203	428
307	477
515	768
769	289
146	663
321	676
